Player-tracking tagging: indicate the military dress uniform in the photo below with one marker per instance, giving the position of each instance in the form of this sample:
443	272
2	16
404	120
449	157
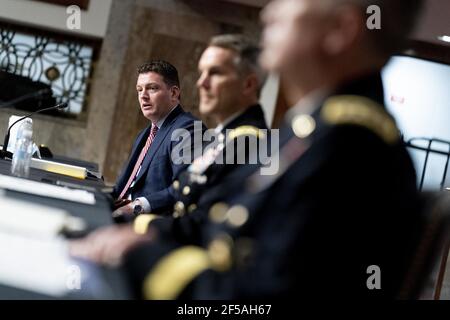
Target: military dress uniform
238	137
343	201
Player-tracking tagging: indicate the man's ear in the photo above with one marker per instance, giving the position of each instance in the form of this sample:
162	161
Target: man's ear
346	28
175	93
251	84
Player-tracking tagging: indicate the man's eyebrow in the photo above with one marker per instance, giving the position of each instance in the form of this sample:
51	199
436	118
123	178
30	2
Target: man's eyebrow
147	84
214	68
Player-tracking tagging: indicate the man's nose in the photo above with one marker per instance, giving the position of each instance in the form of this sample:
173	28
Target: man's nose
144	95
203	81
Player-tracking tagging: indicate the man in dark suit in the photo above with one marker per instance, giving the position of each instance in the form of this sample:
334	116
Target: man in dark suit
341	217
145	182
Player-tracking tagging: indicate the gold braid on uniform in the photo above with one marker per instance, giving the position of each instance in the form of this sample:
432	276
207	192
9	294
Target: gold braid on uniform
246	131
142	222
173	273
362	111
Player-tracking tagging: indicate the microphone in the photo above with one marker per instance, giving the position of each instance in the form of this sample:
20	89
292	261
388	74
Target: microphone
31	95
4	153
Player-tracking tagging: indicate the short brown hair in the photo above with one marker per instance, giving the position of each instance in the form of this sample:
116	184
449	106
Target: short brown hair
247	51
164	69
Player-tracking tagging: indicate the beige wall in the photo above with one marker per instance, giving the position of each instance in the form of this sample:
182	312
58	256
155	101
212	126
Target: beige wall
94	20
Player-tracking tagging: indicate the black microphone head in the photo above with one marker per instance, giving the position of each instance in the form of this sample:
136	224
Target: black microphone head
43	92
62	105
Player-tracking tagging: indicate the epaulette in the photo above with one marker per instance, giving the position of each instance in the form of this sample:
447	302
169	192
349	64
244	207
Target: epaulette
142	222
361	111
246	131
172	274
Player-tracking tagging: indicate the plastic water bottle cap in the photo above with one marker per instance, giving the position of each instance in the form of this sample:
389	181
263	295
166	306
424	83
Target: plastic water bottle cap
25	129
26	134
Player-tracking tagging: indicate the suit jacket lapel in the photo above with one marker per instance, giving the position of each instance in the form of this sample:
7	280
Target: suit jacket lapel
133	158
160	137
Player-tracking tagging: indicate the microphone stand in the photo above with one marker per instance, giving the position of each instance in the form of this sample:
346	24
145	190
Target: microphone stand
4	153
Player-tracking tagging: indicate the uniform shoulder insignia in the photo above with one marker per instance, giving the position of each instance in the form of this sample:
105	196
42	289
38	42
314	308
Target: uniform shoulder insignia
246	131
173	272
142	222
362	111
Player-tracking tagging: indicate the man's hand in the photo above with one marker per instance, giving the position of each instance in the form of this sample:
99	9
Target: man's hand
124	213
108	245
120	203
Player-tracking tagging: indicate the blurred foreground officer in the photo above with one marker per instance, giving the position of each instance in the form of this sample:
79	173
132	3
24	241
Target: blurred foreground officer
341	216
147	177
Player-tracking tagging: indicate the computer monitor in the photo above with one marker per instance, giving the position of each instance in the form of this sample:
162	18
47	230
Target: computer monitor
417	93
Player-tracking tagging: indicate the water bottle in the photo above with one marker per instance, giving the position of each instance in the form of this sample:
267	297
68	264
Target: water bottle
21	160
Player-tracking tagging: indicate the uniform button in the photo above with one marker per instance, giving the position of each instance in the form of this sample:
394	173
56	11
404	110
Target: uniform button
218	212
186	190
201	179
192	208
237	216
303	125
219	252
242	252
220	147
178	209
176	184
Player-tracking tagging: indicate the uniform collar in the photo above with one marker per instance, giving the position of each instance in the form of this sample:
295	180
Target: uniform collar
227	121
309	103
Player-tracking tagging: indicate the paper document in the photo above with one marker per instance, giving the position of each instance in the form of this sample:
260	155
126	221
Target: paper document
41	266
60	168
46	190
33	220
